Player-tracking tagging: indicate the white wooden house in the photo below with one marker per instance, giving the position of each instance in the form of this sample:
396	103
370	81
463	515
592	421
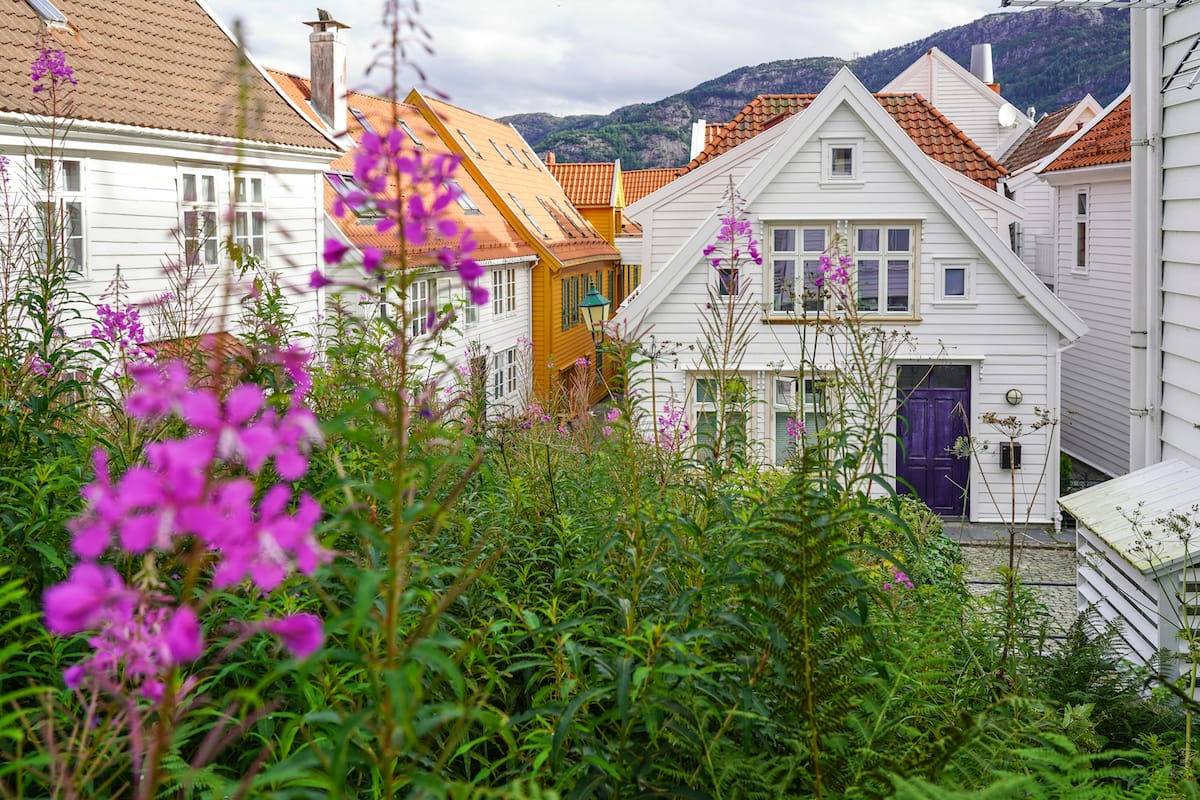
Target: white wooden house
1089	178
968	98
154	162
977	317
1033	237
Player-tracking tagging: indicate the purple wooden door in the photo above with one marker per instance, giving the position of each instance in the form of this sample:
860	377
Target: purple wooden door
934	406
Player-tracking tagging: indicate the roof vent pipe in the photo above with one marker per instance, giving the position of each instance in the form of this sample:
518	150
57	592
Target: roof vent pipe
981	62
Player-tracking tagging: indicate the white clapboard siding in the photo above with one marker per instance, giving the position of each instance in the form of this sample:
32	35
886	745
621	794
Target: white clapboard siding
1007	344
1096	369
1181	245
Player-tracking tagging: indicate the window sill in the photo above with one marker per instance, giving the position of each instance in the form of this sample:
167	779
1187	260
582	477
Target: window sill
956	302
812	319
841	183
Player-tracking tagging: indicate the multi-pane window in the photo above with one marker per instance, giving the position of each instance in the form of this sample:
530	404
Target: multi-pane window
714	424
796	266
418	307
879	273
883	261
60	200
504	373
250	216
504	292
198	200
1081	227
797	415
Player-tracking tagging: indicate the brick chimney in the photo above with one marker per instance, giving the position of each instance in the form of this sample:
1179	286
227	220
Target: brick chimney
327	69
550	159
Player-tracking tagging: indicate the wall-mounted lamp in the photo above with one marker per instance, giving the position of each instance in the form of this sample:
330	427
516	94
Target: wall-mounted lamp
1014	397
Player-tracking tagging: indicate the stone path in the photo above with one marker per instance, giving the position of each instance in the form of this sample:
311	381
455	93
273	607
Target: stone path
1045	562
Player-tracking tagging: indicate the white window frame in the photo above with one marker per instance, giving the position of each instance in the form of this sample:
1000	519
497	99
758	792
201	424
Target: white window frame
504	373
51	186
784	391
200	250
830	164
250	205
942	267
710	405
1082	225
802	257
887	258
504	292
418	306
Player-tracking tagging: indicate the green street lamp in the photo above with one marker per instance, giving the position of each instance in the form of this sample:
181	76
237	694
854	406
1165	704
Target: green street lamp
594	308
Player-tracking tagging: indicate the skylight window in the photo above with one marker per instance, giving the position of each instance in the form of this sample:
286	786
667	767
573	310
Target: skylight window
46	10
525	211
470	144
517	156
362	120
464	200
404	127
537	162
567	217
343	183
562	226
507	160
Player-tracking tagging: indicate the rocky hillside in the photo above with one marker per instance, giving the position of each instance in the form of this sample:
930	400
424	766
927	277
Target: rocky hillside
1044	58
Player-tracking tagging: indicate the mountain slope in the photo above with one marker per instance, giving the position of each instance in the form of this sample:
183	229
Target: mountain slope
1044	58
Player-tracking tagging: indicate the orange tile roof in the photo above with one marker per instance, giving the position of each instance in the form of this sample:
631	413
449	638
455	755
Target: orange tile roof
1107	142
495	237
587	184
1037	143
163	64
937	136
531	194
640	182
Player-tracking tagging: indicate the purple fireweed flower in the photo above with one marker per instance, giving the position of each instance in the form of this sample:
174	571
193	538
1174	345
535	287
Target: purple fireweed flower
87	595
795	429
335	251
300	633
51	65
318	280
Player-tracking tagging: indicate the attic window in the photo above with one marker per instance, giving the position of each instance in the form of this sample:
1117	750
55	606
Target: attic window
362	120
840	159
517	156
470	144
46	10
404	127
507	160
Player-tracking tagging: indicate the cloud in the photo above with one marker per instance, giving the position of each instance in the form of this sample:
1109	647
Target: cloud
500	57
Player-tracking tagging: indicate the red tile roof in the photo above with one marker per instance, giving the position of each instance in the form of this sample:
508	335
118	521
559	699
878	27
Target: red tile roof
163	64
587	184
1037	143
1107	142
937	136
640	182
495	237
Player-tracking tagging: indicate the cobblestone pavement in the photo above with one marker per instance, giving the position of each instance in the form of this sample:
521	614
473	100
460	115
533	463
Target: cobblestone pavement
1045	562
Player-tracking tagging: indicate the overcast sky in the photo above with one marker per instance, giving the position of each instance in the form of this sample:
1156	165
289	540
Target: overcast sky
499	57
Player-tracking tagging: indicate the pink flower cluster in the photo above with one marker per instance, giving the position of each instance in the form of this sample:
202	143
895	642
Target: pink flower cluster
899	580
673	427
420	211
122	329
189	490
836	276
795	429
612	416
52	65
731	229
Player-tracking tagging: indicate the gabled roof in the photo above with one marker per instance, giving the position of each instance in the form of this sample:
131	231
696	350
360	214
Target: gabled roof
641	182
780	146
1050	133
160	64
590	184
938	137
934	59
522	186
495	237
1106	141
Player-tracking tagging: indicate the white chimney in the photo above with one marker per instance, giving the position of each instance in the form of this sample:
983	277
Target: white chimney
327	70
981	62
699	129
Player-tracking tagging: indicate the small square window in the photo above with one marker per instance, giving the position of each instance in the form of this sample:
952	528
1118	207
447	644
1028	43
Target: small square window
955	283
727	281
954	280
842	162
839	160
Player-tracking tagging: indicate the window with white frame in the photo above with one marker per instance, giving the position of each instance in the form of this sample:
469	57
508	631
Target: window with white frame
797	415
250	215
504	373
719	416
879	273
199	217
504	292
954	280
418	307
1081	231
60	200
840	160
